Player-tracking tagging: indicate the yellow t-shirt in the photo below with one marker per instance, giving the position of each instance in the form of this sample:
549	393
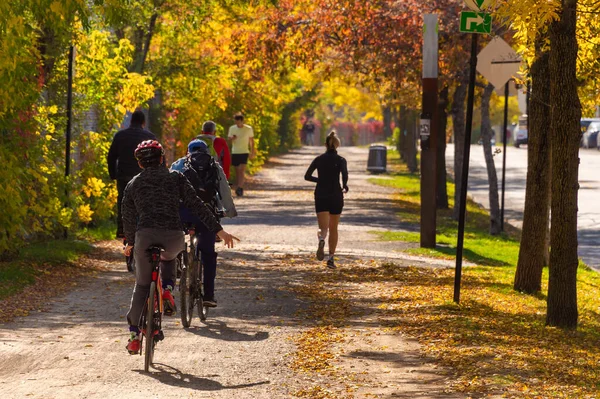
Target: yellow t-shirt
241	144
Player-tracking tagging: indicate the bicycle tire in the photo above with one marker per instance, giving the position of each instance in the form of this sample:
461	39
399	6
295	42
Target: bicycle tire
202	310
149	355
186	299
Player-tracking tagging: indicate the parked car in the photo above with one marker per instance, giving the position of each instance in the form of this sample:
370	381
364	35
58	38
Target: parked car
585	122
590	138
520	133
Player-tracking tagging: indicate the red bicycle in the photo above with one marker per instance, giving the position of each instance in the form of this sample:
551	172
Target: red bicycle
153	310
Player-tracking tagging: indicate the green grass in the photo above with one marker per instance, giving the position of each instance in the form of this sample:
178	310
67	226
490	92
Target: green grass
103	231
23	270
479	246
496	340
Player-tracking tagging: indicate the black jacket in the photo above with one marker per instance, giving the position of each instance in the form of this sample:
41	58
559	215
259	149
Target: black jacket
329	167
152	198
121	162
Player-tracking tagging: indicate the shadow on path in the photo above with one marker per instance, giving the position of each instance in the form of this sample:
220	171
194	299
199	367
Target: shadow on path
217	329
171	376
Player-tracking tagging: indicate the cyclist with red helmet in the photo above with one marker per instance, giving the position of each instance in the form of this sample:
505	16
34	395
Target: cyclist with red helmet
151	217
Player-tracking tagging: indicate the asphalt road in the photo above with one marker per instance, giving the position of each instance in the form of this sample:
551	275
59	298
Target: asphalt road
516	175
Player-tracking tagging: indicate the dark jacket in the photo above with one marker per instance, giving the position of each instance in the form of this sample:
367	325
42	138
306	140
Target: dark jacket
329	166
151	200
121	162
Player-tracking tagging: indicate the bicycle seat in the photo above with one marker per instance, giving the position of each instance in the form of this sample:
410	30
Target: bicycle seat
156	247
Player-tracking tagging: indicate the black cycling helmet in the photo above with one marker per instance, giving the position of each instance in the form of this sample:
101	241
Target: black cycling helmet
209	127
148	150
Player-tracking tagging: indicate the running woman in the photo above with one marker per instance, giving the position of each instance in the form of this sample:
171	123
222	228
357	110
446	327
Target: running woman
329	195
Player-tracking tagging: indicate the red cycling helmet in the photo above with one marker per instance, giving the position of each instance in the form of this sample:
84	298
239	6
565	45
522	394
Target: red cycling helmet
148	149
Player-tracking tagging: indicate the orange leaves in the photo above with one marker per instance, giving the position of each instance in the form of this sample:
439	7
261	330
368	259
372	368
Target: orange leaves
314	352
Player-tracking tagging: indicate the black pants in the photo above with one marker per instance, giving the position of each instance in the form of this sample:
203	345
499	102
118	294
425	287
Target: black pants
121	184
206	248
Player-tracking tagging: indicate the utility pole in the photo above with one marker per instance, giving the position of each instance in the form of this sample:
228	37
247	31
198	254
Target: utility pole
429	131
69	125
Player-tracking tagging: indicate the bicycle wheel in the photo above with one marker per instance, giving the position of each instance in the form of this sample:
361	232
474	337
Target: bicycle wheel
187	300
150	327
202	310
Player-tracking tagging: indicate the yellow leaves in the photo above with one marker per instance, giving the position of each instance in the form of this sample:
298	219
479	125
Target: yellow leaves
135	90
315	392
65	217
56	7
93	187
530	19
84	213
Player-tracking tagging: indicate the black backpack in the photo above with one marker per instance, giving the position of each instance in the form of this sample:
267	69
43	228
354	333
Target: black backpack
201	171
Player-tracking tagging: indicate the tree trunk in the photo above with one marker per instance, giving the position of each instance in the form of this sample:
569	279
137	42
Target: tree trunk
142	40
565	128
458	124
533	254
400	122
411	142
442	192
486	140
387	121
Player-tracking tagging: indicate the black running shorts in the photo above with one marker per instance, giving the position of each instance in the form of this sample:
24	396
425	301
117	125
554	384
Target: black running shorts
332	204
239	159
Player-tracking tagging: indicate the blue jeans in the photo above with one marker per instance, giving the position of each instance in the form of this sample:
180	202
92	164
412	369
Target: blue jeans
206	250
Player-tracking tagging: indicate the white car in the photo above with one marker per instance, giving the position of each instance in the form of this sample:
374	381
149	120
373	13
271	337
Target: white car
520	136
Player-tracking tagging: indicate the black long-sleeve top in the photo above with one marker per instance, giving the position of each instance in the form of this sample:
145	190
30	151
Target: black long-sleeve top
120	159
151	200
329	166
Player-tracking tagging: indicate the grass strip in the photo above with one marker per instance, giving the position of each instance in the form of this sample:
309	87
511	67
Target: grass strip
496	339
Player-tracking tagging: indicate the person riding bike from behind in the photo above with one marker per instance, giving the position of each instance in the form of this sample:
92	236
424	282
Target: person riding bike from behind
209	180
217	148
151	217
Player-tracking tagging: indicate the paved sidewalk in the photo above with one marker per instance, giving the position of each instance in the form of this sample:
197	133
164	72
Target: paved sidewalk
247	348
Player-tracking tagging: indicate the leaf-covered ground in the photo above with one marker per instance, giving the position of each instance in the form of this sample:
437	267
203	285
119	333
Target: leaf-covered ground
494	343
496	340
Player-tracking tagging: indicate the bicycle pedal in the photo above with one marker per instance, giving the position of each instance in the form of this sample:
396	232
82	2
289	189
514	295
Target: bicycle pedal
159	336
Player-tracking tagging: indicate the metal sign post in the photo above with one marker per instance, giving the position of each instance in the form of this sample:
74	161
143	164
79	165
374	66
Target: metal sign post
465	170
478	23
505	126
428	129
498	63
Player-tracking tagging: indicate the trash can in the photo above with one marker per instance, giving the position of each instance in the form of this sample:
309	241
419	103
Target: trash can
377	162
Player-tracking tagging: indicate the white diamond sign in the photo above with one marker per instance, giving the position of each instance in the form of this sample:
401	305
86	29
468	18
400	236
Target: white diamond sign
478	5
498	62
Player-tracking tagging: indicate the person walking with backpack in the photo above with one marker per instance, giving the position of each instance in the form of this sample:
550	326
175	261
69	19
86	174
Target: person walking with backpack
329	196
217	146
242	147
122	165
208	179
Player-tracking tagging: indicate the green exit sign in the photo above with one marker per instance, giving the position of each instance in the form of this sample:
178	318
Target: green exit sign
475	22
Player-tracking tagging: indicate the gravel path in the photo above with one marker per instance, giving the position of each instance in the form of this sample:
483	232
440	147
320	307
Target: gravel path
75	348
